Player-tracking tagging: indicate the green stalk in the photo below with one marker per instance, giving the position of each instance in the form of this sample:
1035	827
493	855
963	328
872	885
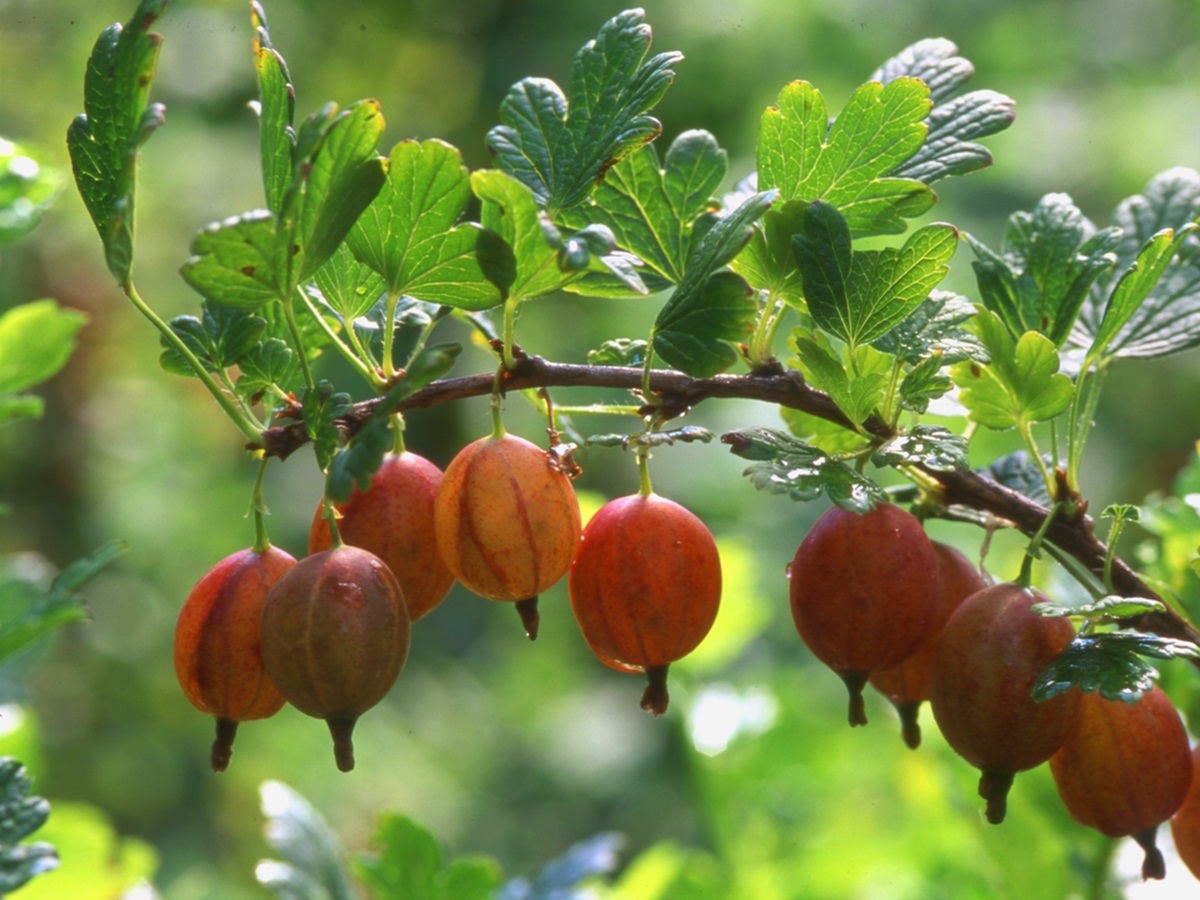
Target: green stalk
259	505
289	314
498	429
645	488
1026	430
510	322
1083	408
759	345
249	428
389	335
1025	578
355	354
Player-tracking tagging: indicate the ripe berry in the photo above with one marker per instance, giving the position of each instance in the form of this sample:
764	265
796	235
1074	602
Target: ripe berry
507	522
218	651
335	635
1185	824
984	668
907	685
864	593
1126	768
394	520
645	586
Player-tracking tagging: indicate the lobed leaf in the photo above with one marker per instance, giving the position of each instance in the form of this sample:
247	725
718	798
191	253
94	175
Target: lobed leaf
619	352
932	446
653	210
857	394
1111	663
846	162
271	364
233	263
36	340
409	233
1154	308
1019	473
785	465
21	814
1051	258
955	121
861	296
560	150
935	327
103	141
1020	385
220	339
312	859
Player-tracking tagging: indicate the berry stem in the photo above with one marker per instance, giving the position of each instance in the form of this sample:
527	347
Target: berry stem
994	787
1153	865
910	726
527	609
855	682
343	747
655	697
222	746
259	505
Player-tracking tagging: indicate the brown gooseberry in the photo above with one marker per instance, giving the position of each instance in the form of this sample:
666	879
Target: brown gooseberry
394	520
335	635
864	593
981	679
1185	824
507	522
218	646
645	586
1126	769
907	685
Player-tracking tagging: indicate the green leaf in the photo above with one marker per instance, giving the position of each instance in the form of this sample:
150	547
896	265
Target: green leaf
36	340
406	863
312	867
935	328
20	815
769	262
1111	663
846	163
785	465
322	407
34	610
564	876
409	236
233	262
924	383
276	107
347	286
688	434
1122	512
270	364
14	407
861	296
619	352
345	175
1104	610
511	211
955	121
1051	258
932	446
711	305
653	211
858	394
220	339
103	141
1154	310
1020	385
561	150
27	187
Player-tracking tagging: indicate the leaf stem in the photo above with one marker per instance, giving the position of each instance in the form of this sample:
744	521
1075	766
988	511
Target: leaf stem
354	354
389	335
510	322
289	314
1026	429
1025	578
250	429
498	429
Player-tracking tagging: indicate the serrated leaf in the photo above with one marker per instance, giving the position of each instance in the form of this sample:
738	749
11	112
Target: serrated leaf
955	121
924	383
560	150
233	262
34	610
330	193
1020	385
619	352
312	859
856	395
1122	512
411	233
931	446
21	814
861	296
688	434
652	210
1051	258
347	286
935	327
103	141
768	262
711	305
270	364
511	211
276	109
1111	663
220	339
829	436
36	340
1162	306
406	863
846	163
322	406
357	462
785	465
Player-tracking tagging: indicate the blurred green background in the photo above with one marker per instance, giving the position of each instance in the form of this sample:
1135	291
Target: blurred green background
502	747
